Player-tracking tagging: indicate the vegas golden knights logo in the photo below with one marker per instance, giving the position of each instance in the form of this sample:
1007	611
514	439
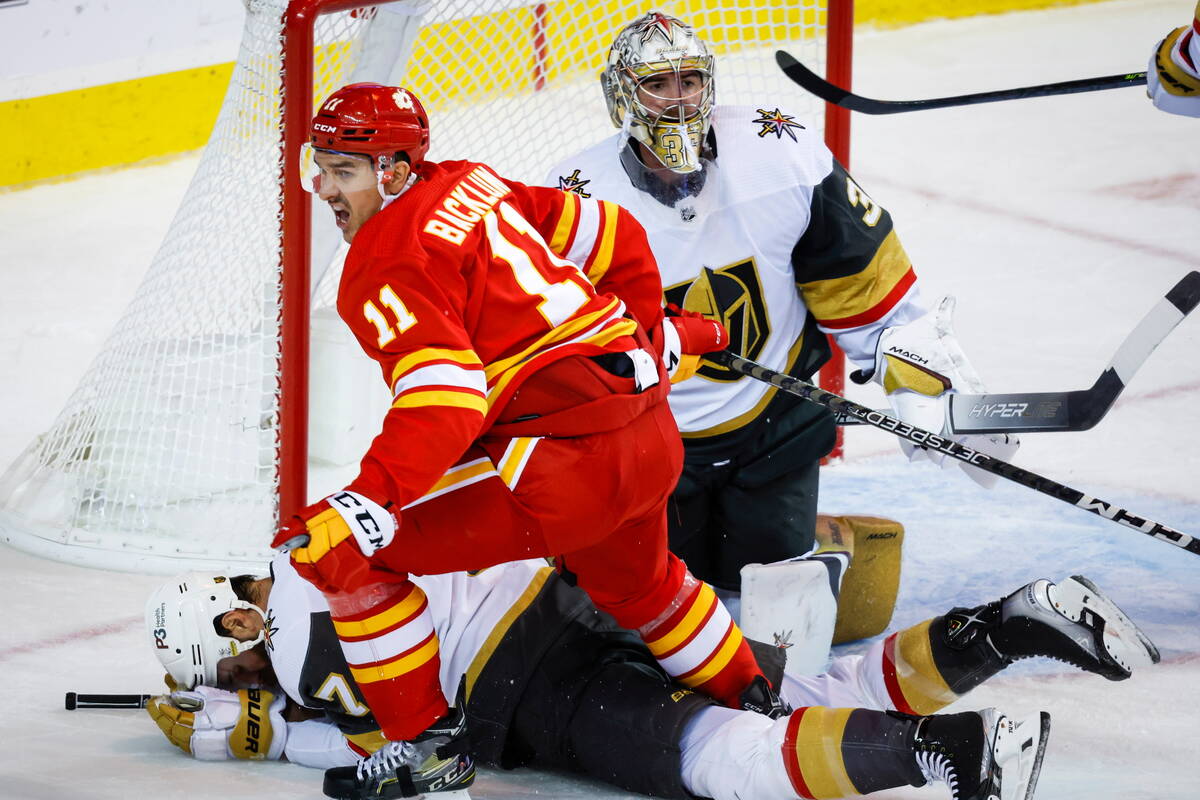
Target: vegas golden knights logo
732	294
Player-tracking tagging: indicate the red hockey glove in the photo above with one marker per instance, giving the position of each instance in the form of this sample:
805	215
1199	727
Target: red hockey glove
332	541
688	335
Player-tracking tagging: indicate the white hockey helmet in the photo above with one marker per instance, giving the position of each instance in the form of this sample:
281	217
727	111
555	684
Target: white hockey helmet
651	45
183	616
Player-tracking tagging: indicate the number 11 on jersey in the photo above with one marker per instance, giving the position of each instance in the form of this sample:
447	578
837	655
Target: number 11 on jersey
386	329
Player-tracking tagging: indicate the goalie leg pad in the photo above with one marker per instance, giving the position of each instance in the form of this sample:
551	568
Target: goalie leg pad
793	604
869	587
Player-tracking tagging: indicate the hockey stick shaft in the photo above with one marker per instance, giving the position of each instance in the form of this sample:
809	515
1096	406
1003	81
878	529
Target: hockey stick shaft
953	449
1079	410
844	98
74	700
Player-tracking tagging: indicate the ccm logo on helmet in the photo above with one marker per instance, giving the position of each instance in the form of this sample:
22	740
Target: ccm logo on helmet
323	128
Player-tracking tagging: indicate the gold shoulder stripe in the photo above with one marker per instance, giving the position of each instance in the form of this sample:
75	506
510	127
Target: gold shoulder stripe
488	648
854	296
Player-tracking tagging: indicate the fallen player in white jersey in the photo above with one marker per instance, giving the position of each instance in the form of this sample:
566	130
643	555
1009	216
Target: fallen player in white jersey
540	678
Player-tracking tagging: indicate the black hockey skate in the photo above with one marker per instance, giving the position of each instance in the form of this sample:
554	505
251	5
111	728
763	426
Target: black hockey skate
1075	622
982	755
760	698
436	761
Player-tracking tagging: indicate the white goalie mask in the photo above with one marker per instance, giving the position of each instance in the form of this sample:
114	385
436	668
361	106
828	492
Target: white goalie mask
672	127
182	618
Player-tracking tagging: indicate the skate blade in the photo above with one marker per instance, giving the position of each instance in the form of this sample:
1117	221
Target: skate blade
1018	751
1123	640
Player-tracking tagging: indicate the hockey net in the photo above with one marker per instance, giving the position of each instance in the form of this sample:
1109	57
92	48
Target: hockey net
188	434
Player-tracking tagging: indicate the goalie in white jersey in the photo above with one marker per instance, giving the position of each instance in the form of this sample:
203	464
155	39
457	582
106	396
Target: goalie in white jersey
752	221
540	677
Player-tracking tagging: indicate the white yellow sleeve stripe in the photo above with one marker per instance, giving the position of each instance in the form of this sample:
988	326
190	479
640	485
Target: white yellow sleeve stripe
579	329
566	223
511	466
515	457
457	477
442	399
586	232
442	375
701	641
401	612
429	355
386	670
609	329
693	655
602	259
389	645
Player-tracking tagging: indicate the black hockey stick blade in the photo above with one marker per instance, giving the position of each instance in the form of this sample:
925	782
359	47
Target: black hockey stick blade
74	700
815	84
1080	410
956	450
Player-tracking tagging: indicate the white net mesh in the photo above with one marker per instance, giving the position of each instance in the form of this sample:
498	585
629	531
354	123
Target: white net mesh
167	451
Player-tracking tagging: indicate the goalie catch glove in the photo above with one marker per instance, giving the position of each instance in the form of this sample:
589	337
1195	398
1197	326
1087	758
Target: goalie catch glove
687	336
214	725
331	542
919	364
1173	77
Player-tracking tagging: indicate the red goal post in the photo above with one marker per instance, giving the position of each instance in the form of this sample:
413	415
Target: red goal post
197	425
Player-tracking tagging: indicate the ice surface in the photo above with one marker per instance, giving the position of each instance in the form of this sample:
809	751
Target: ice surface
1057	222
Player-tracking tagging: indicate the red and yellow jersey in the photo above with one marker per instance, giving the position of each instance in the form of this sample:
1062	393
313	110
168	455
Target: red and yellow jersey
464	287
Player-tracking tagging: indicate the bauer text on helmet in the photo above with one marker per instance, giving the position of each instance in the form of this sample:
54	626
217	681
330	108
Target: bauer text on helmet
658	81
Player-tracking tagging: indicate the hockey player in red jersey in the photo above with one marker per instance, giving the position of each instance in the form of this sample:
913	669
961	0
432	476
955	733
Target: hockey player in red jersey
521	332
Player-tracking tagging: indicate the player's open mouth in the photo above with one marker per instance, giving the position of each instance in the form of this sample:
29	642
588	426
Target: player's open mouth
340	217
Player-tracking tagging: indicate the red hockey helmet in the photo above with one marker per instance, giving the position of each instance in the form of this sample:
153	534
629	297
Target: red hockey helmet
373	120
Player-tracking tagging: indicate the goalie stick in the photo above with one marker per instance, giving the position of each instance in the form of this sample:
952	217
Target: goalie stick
1079	410
949	447
74	700
844	98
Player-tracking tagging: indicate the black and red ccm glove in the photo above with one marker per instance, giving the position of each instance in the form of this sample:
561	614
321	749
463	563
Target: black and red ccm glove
331	542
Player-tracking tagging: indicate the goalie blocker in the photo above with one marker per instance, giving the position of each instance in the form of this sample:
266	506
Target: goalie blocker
842	592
